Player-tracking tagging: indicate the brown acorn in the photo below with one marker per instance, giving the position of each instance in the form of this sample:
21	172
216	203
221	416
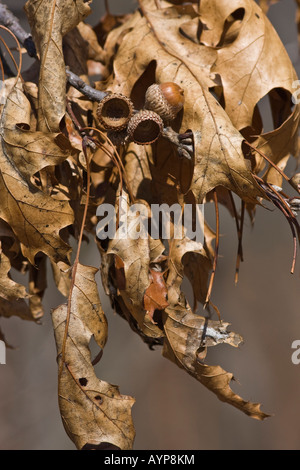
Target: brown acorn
145	127
166	99
115	111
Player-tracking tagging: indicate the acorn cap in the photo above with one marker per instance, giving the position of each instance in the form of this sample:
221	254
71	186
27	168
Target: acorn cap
114	111
166	99
145	127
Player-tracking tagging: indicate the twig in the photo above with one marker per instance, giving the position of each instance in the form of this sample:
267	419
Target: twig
11	22
8	19
84	88
284	205
239	257
284	176
212	277
239	229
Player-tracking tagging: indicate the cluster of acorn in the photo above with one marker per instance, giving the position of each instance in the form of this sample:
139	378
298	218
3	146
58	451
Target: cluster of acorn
117	115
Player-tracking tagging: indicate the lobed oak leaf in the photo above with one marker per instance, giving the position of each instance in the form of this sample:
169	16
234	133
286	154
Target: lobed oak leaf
9	289
93	411
13	296
35	217
49	22
29	150
186	337
156	38
250	71
190	258
134	256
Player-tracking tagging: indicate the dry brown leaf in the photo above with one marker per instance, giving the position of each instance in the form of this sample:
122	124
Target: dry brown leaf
107	23
34	217
30	150
156	37
9	289
94	413
13	296
49	22
191	258
62	277
227	57
187	335
249	71
95	51
138	173
37	286
136	255
247	67
155	297
75	49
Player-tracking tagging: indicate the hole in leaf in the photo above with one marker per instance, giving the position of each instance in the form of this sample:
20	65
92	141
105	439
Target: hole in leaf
99	399
218	93
232	27
83	381
157	318
274	108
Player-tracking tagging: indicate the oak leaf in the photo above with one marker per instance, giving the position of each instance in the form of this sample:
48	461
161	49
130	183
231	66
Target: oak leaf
187	336
93	411
35	217
49	22
219	159
13	296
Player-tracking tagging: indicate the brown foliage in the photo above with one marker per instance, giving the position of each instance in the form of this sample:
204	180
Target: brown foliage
57	165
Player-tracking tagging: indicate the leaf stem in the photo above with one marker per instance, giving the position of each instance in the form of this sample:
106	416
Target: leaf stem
240	258
212	277
284	176
75	264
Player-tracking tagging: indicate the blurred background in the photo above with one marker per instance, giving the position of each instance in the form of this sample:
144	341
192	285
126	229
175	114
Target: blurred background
172	410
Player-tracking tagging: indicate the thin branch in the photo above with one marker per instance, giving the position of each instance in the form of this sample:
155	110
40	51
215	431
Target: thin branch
84	88
8	19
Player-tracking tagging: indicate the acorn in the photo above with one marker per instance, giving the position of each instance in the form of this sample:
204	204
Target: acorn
166	99
114	111
145	127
